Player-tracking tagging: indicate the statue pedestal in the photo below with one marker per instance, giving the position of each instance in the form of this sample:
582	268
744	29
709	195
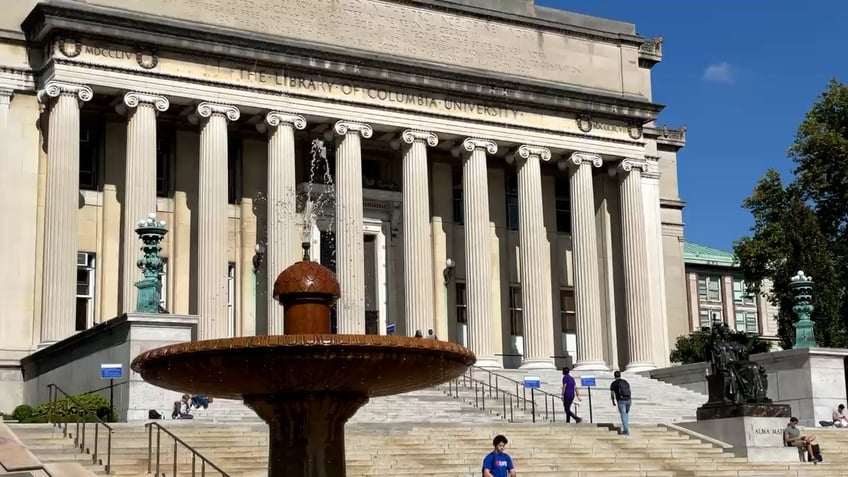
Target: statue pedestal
754	430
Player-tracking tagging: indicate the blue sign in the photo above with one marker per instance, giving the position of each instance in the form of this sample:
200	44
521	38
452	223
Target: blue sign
390	329
111	371
587	381
532	382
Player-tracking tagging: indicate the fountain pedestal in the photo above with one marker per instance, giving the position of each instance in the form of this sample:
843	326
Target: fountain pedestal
306	385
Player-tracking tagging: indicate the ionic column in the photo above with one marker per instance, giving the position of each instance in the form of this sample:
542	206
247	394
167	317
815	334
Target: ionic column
636	285
478	260
60	209
140	183
212	220
350	253
417	247
535	261
280	251
587	297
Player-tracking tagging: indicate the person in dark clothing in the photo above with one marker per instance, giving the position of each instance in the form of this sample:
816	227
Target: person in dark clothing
569	394
201	401
620	394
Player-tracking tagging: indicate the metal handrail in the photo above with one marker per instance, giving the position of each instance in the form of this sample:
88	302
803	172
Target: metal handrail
79	438
482	388
177	441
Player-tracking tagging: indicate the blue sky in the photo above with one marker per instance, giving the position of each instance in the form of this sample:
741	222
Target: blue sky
741	75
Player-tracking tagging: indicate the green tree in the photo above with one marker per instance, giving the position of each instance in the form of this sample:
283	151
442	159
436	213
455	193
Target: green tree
804	225
692	348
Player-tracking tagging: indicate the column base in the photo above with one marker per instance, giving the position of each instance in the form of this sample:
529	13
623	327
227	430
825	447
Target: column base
537	364
590	366
639	367
488	363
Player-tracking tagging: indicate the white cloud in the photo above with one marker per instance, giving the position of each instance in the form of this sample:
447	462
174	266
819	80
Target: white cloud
719	73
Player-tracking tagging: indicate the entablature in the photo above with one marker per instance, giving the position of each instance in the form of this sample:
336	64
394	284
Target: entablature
67	24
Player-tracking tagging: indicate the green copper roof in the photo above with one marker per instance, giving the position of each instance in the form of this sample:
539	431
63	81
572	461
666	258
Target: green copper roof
701	254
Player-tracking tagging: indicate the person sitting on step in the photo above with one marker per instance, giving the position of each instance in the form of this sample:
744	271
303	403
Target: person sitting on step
182	408
792	437
840	417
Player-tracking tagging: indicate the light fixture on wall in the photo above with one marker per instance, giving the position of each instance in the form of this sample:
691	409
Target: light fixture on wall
448	271
258	256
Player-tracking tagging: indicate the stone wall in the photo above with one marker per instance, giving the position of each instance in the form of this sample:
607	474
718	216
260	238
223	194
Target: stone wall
74	363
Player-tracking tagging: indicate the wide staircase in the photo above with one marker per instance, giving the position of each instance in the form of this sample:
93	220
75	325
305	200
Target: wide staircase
426	449
442	431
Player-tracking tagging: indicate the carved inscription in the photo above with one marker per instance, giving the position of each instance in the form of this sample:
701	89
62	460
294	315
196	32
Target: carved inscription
374	93
110	53
405	31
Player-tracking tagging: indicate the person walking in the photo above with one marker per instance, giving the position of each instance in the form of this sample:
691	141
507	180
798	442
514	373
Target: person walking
569	394
620	394
498	463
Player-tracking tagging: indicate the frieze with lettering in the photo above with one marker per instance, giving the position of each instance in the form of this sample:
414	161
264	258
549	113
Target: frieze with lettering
142	56
588	124
293	83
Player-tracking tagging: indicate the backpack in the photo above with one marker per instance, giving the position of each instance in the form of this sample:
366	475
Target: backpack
623	390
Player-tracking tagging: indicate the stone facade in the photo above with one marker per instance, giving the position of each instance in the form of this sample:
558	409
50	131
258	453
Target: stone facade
445	124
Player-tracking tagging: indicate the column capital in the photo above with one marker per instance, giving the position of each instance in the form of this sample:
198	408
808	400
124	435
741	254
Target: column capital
527	150
275	118
352	127
207	109
472	143
577	159
134	98
628	165
54	89
411	135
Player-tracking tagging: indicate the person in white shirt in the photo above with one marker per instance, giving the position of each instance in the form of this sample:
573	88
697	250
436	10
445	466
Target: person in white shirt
840	417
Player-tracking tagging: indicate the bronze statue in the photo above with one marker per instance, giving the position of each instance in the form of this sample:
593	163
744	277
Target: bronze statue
734	379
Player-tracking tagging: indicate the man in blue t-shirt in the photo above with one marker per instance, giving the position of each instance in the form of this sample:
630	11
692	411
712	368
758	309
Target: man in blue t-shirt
569	394
498	463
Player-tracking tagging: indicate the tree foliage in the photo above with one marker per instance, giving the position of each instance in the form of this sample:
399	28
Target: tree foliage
803	225
692	348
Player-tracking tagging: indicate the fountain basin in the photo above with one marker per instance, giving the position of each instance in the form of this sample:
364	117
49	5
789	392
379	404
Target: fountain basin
360	364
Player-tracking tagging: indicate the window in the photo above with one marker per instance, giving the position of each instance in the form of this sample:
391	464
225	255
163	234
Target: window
372	170
234	164
562	195
747	321
231	298
163	278
458	205
511	201
85	290
91	150
461	303
567	311
709	289
708	315
741	296
165	152
516	317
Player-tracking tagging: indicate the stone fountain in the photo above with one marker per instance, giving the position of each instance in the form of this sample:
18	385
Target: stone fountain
307	383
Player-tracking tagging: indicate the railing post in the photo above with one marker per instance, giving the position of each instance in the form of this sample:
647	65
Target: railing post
546	407
533	403
175	459
76	434
96	439
193	460
203	468
149	447
158	449
82	443
109	452
511	410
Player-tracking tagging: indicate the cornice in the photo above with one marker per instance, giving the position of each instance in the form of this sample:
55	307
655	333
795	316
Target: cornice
204	41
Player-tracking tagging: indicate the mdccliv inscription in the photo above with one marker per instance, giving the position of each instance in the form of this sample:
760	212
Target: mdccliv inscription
406	31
